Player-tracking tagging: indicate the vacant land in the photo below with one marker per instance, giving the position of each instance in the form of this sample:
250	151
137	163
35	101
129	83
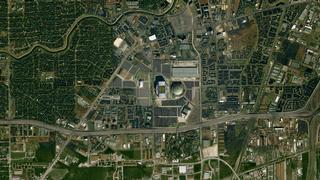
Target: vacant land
137	172
4	100
246	38
76	173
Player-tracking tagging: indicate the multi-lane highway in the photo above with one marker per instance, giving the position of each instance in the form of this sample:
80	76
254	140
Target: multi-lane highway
309	110
224	119
305	112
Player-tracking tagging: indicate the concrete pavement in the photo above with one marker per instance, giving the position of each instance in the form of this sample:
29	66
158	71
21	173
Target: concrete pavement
224	119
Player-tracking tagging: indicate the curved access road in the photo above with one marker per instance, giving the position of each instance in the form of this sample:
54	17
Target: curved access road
311	108
224	119
306	112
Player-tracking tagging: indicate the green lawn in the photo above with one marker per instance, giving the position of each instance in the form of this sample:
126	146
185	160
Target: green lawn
4	100
152	5
92	173
46	152
131	154
17	155
57	174
138	172
305	160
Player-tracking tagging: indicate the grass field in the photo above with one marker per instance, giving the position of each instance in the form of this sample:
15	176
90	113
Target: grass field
138	172
91	173
46	152
305	160
131	154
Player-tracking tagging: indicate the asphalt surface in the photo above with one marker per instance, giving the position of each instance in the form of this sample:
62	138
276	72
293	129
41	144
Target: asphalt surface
224	119
294	114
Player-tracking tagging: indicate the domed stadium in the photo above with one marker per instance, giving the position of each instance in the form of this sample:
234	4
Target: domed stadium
177	88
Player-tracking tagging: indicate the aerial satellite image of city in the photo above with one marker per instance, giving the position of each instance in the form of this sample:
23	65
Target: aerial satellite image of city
159	89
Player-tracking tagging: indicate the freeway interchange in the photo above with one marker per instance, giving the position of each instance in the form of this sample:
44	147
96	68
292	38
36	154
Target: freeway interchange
310	109
224	119
308	112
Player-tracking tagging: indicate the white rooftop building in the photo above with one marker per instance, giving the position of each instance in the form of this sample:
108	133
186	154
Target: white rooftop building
153	37
182	169
118	42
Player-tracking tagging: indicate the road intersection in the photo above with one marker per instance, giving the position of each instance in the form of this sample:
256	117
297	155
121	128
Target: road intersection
224	119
